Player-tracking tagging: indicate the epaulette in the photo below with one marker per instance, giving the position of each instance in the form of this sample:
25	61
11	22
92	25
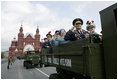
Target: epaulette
75	31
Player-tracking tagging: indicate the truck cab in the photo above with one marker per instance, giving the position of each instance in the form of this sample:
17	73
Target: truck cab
31	58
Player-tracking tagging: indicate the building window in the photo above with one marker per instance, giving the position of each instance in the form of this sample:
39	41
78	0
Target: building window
37	44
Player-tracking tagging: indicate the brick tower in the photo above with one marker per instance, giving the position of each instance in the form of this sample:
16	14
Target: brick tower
24	43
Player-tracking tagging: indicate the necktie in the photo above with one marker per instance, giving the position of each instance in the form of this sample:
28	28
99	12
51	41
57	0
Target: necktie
80	32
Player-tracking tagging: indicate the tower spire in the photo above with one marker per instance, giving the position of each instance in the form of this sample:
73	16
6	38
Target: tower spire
14	38
21	25
21	29
37	30
37	26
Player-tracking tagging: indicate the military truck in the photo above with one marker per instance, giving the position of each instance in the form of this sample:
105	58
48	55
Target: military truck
80	60
84	59
31	58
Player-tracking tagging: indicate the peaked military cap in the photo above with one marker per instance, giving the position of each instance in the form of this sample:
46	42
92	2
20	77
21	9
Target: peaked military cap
77	20
57	32
45	38
49	35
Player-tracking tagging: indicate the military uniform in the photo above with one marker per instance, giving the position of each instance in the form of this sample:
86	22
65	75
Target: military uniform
45	45
49	43
57	32
94	37
76	34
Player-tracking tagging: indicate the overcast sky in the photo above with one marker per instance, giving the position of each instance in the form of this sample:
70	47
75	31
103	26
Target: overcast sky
49	16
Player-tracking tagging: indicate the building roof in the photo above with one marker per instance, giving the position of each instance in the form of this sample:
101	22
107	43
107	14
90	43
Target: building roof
29	34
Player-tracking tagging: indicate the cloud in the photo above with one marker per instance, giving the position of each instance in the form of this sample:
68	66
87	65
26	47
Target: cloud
48	18
16	7
30	15
90	11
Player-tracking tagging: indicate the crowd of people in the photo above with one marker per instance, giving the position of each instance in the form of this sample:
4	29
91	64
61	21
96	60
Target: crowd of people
75	33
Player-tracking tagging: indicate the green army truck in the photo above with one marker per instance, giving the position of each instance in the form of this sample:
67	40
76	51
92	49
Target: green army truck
84	59
31	58
80	60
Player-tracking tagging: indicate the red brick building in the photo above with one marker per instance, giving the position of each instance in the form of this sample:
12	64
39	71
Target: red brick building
24	43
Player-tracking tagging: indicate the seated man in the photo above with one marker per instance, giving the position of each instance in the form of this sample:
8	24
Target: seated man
78	33
49	43
60	38
62	34
54	41
95	37
45	43
57	33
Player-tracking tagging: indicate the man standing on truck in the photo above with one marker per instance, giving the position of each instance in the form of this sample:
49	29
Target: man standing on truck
78	33
45	43
95	37
49	42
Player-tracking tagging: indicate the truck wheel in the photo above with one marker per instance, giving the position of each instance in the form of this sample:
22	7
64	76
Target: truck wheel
8	67
35	65
24	64
27	65
46	65
41	65
63	74
54	76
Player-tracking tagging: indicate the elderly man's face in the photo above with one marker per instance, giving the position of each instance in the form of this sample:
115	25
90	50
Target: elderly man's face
63	33
92	30
49	38
45	40
78	26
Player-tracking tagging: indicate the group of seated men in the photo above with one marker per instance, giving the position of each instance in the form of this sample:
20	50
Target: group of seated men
75	33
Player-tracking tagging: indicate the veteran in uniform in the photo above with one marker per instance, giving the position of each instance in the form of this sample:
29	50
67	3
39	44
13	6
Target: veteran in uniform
78	33
57	33
45	43
49	43
94	37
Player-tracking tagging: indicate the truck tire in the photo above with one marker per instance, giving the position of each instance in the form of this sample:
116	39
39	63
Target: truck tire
63	74
41	65
24	64
27	65
35	65
46	65
54	76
